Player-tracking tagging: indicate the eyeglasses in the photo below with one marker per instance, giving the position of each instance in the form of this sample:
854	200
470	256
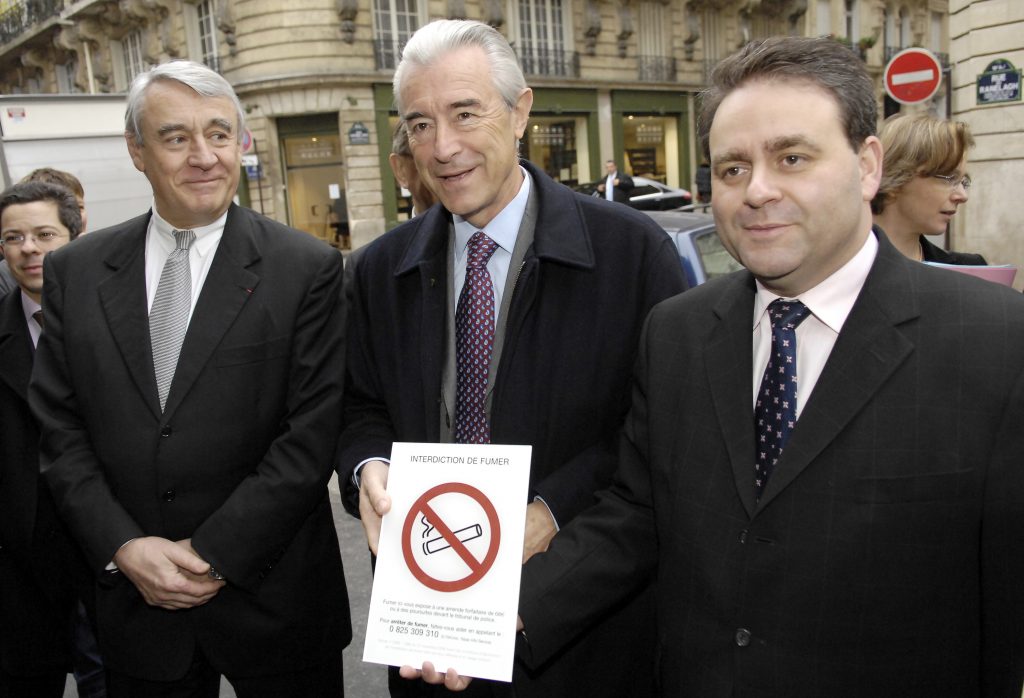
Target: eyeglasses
954	180
43	238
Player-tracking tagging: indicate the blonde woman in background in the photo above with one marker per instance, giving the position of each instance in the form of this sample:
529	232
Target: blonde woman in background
924	181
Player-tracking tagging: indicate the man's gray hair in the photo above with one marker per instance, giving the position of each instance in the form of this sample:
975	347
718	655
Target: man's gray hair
197	76
400	140
434	40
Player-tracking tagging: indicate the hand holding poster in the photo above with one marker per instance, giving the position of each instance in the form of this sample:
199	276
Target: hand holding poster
446	584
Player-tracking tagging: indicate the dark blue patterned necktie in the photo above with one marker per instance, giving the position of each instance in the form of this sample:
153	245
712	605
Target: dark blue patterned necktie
474	343
775	409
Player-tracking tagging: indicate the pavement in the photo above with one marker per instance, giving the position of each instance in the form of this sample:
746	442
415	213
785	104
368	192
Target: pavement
361	680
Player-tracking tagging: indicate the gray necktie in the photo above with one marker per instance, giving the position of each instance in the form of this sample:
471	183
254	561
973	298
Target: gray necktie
168	319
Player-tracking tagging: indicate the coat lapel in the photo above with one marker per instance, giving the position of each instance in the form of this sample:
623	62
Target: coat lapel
15	345
727	357
228	286
123	298
426	256
868	351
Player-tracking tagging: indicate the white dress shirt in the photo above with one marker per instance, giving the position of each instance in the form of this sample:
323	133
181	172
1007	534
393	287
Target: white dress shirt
31	308
830	303
503	229
160	243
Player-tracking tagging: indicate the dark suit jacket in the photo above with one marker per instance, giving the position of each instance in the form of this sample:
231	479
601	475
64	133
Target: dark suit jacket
933	253
884	558
238	461
562	385
620	192
37	559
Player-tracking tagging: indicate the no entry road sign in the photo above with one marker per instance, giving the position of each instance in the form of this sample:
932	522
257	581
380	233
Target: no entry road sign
913	75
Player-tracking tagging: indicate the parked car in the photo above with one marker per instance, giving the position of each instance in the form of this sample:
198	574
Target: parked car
646	195
701	252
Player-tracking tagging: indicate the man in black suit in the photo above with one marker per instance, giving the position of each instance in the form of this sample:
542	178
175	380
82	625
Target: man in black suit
195	478
878	550
41	570
616	185
572	278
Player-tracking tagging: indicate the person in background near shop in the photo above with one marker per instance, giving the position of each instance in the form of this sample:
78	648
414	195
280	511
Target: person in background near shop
924	181
43	575
339	221
616	186
59	177
188	388
404	168
704	182
562	284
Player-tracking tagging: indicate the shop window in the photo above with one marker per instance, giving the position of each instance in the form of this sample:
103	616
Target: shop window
550	143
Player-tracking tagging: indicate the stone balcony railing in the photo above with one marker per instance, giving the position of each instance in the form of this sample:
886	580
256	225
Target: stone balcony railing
656	68
22	16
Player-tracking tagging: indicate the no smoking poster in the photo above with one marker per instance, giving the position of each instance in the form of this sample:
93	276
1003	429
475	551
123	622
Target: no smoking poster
446	585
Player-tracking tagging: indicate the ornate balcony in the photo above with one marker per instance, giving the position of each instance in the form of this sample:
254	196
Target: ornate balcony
19	17
546	62
656	68
386	54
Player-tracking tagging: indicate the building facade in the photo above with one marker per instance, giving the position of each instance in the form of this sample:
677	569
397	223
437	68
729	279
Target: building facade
613	79
983	34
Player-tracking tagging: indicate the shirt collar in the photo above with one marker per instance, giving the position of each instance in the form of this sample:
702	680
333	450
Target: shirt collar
29	306
207	236
503	229
832	300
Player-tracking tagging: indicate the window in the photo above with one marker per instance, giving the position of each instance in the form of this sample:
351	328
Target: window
654	52
66	76
937	45
206	13
852	17
134	63
823	18
395	21
888	32
905	36
541	38
716	259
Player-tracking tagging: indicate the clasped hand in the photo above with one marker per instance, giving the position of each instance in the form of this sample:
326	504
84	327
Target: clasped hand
168	574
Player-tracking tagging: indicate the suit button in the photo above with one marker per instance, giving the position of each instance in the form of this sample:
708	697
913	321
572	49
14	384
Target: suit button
743	536
742	637
166	431
168	496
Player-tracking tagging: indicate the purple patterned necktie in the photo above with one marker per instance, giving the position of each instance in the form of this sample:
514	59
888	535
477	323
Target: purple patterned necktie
775	411
474	342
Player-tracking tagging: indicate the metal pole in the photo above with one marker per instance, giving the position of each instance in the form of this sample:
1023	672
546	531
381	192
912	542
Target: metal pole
88	67
259	180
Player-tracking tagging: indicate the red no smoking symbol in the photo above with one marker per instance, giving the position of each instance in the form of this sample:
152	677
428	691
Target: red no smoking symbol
450	538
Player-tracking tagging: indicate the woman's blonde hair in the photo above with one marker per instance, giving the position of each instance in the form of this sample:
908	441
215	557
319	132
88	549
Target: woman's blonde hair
918	145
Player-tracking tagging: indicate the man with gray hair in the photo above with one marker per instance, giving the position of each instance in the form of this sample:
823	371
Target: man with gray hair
563	283
188	387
